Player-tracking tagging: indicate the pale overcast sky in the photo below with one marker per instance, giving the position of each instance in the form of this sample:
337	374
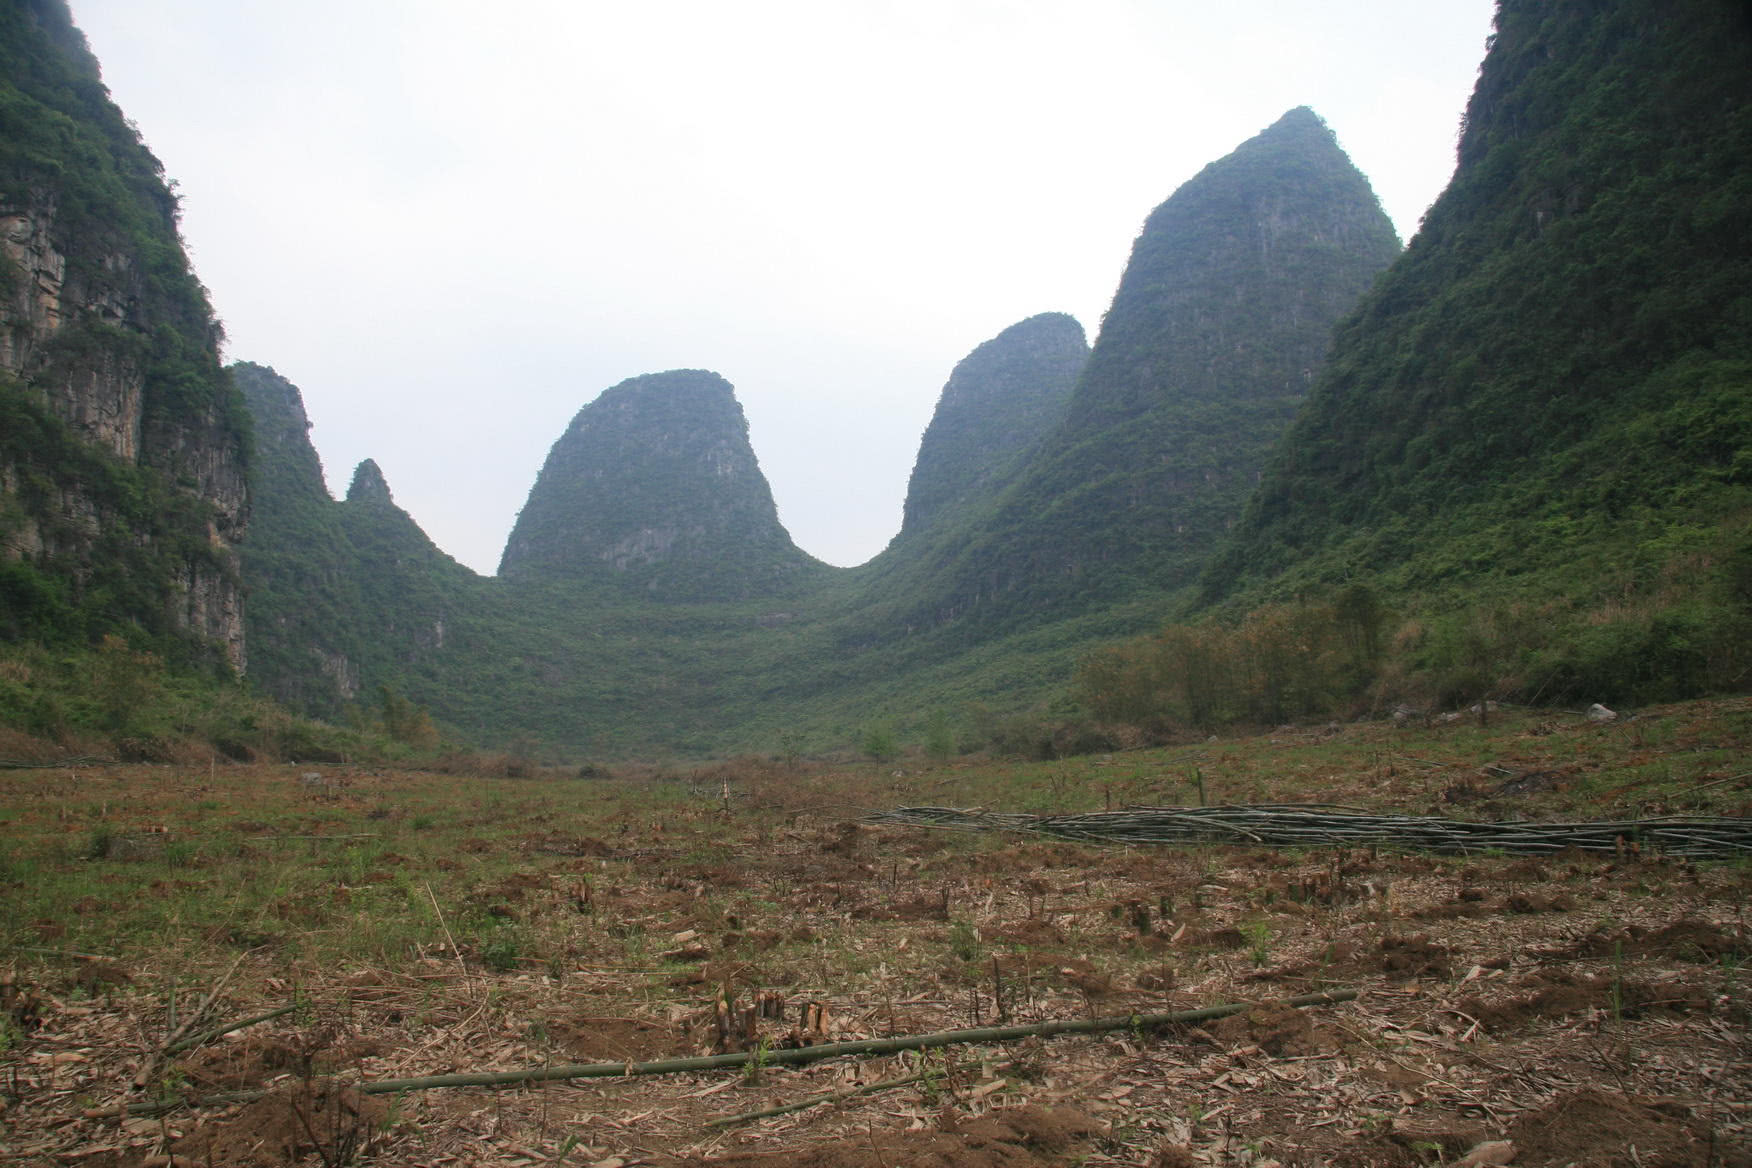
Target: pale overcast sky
452	224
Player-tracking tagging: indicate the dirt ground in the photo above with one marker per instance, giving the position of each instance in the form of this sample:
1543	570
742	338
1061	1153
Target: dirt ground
1589	1009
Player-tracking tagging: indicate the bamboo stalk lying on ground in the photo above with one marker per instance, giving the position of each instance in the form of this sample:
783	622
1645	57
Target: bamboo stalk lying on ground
1317	824
782	1058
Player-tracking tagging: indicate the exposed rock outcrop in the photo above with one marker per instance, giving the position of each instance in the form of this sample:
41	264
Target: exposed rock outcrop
122	456
101	391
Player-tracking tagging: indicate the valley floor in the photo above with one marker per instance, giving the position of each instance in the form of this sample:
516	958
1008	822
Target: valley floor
1592	1008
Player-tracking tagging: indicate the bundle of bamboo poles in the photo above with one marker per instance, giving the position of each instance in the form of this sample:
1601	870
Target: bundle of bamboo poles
1326	825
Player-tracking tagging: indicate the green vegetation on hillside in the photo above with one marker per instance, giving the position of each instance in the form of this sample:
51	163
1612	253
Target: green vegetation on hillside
116	702
1531	439
348	597
344	597
1521	473
1353	654
940	639
1552	391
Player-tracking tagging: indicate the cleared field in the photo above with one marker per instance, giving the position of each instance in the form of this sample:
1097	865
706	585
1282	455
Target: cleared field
1592	1007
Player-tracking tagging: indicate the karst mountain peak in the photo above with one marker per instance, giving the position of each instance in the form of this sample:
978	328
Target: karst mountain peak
654	485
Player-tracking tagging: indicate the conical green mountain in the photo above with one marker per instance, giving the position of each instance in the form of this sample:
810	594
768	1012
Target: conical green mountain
1220	323
123	446
369	486
343	596
655	486
1001	399
1554	386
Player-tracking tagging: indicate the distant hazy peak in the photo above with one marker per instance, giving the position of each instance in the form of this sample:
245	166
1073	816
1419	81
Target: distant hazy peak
1283	232
1041	324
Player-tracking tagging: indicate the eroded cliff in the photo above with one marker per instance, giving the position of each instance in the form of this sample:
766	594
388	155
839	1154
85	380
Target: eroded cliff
123	453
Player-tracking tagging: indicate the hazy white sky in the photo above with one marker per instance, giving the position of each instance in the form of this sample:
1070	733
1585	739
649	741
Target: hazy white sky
452	224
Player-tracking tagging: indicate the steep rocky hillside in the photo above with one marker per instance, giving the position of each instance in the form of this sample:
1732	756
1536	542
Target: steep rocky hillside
123	446
344	597
1552	390
655	485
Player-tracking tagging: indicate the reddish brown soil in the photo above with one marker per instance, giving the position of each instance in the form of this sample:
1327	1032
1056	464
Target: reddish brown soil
1593	1128
288	1124
1021	1137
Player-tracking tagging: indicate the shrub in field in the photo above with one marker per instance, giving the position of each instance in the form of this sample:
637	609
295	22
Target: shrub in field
501	952
1283	661
939	737
1673	631
879	743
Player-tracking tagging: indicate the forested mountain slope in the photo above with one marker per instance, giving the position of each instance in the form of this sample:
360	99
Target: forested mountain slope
1219	324
1552	390
648	594
344	597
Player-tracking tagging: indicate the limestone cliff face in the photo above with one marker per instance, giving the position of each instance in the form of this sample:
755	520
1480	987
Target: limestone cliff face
654	484
123	457
1000	400
101	394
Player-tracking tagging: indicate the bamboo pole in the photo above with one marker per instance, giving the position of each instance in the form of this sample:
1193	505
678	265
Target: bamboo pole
785	1058
205	1005
1314	824
811	1054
